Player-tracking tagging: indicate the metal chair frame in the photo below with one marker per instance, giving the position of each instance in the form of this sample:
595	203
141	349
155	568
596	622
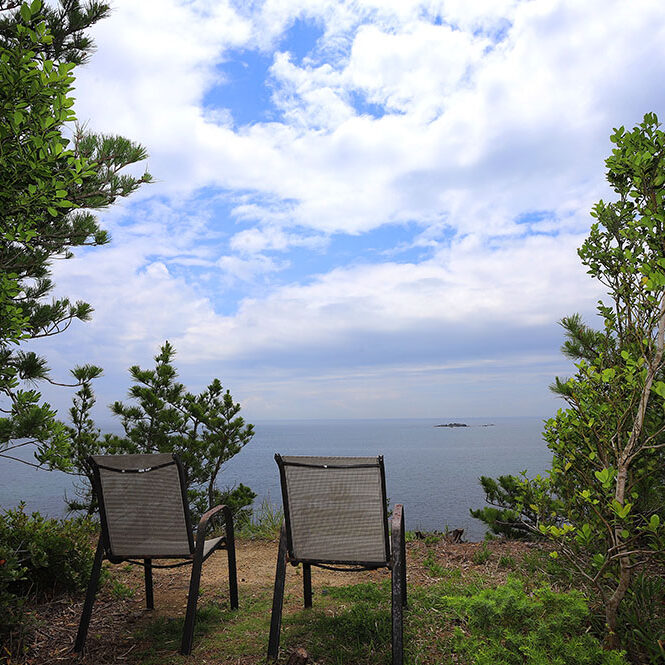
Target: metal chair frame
195	558
395	560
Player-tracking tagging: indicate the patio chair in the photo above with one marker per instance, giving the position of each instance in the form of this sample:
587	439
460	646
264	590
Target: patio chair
144	515
336	517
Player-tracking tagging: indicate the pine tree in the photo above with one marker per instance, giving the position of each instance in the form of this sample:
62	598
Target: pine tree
204	430
49	187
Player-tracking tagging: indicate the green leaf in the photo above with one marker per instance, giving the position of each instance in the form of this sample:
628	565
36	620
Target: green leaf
603	476
26	13
598	560
621	511
654	522
608	374
659	388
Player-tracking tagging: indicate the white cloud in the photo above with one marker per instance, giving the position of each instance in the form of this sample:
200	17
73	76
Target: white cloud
256	240
437	58
248	269
517	284
484	125
537	107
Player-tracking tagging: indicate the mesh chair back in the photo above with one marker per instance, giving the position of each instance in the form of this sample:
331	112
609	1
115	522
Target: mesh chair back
335	509
144	512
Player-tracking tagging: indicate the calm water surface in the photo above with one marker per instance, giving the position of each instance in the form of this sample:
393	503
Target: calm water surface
432	471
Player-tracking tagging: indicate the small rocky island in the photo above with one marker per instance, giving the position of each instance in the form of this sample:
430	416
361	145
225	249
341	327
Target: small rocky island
463	425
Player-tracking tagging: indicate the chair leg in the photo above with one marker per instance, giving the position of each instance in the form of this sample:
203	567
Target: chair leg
192	600
147	573
307	583
89	598
398	583
403	538
231	555
278	597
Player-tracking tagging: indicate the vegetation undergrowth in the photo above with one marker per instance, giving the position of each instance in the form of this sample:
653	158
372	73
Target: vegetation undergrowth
508	625
469	620
39	556
264	524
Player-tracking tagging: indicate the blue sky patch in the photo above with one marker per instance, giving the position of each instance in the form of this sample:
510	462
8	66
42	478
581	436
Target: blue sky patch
390	243
301	38
534	216
363	107
498	33
244	90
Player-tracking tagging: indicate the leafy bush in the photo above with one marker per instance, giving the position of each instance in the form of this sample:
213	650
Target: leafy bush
39	555
602	501
510	626
642	620
11	605
264	523
511	511
238	498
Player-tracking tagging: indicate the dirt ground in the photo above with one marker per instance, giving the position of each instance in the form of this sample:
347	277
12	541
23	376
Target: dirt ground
115	620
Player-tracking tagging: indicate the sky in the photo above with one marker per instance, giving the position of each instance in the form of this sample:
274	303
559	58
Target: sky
361	209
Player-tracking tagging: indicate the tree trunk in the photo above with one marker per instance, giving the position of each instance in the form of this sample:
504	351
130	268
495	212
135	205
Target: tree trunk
612	607
211	494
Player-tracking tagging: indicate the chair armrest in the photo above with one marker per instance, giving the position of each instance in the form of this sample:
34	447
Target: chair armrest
397	520
203	525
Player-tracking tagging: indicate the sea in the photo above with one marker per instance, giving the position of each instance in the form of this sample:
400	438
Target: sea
432	471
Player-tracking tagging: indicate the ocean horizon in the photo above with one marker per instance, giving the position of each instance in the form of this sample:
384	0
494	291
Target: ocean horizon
433	471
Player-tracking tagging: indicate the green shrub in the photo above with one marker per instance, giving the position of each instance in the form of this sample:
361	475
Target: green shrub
11	605
56	554
509	626
506	561
509	512
482	555
39	555
238	498
641	624
264	524
434	568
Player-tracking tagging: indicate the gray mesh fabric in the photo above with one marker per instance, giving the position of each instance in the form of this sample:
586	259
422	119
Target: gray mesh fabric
144	511
209	545
336	514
